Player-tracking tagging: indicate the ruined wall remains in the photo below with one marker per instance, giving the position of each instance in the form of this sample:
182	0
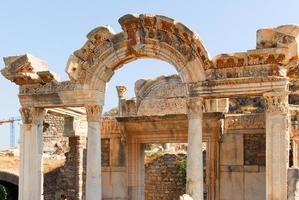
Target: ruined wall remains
163	178
54	142
52	184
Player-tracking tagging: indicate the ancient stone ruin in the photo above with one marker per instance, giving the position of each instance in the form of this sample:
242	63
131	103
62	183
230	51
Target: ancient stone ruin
237	113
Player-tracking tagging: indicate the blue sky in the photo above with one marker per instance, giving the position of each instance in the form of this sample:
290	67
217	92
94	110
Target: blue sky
52	30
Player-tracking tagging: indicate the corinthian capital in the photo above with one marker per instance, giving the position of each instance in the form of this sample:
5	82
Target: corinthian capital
277	102
121	91
93	112
32	115
195	106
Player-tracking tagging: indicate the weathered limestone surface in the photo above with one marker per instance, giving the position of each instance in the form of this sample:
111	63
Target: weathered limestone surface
27	69
242	157
93	168
293	178
270	70
31	152
194	159
277	143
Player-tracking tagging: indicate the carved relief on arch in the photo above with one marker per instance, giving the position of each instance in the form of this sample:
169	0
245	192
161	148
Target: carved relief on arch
151	36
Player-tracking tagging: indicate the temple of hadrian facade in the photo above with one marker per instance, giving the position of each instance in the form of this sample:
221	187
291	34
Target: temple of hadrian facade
242	106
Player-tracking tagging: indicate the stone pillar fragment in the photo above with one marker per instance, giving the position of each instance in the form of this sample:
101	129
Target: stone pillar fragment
93	171
194	157
31	153
121	92
277	144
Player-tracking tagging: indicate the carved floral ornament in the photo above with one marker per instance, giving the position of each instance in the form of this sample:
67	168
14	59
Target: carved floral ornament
276	102
121	91
93	113
32	115
195	106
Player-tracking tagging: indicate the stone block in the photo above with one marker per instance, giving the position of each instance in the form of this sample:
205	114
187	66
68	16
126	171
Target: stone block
231	186
217	105
293	183
232	151
255	186
115	186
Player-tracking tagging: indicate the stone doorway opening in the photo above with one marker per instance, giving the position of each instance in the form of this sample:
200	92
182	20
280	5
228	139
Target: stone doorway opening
164	172
8	191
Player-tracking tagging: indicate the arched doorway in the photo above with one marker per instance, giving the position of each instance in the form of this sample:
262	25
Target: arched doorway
143	36
9	185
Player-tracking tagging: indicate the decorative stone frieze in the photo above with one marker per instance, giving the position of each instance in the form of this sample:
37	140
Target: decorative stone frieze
143	36
276	102
252	121
48	88
93	113
110	126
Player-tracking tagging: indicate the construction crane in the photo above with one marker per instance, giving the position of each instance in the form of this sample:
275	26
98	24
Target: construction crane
12	121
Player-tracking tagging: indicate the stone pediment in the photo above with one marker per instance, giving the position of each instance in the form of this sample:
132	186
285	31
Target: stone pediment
161	96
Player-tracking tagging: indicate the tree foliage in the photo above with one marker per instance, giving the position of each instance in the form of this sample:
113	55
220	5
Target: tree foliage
3	192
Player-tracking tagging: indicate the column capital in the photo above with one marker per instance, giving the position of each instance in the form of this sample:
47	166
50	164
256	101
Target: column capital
121	91
195	106
277	102
32	115
93	112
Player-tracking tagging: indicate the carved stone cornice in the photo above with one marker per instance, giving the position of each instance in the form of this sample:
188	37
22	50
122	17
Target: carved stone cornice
93	113
276	102
195	107
32	115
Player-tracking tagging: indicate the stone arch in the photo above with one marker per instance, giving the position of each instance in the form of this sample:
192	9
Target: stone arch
11	183
9	177
151	36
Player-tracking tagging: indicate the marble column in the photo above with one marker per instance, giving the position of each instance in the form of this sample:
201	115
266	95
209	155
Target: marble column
122	92
31	153
277	144
93	171
194	157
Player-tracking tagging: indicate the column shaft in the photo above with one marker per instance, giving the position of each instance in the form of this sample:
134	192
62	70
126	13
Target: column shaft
31	151
277	145
194	157
93	172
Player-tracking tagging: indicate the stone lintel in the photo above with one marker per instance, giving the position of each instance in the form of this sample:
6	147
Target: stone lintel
238	87
63	99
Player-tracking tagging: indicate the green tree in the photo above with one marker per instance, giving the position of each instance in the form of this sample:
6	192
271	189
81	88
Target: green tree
182	170
3	192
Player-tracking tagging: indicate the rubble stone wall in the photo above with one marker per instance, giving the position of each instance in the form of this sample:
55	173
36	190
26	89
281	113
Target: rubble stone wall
54	142
163	180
